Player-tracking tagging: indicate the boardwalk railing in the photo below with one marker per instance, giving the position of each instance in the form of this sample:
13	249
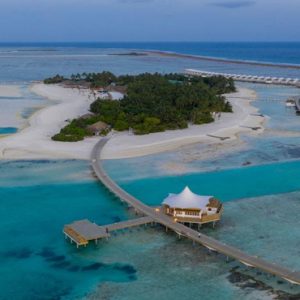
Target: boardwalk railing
161	218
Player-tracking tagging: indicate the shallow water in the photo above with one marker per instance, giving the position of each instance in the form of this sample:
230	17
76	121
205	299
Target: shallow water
228	185
8	130
14	111
279	142
37	263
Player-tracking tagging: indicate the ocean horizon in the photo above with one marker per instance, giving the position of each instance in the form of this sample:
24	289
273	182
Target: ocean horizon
271	52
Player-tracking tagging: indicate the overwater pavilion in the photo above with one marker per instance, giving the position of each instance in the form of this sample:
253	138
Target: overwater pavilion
187	207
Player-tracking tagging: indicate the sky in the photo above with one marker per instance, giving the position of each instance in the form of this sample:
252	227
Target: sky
149	20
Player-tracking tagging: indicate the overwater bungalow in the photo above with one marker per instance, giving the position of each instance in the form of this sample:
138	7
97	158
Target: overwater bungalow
191	208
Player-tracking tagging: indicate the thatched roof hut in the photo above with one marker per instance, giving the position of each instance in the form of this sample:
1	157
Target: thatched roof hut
98	128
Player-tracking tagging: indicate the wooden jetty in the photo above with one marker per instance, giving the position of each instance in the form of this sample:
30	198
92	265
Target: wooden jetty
83	231
246	78
159	217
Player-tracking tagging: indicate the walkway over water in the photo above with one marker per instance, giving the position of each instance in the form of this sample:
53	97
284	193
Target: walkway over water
247	78
156	215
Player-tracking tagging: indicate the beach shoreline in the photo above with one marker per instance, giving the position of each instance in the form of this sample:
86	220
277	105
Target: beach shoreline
34	141
226	129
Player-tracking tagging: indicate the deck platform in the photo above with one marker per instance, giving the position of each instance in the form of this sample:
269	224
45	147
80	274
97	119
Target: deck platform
83	231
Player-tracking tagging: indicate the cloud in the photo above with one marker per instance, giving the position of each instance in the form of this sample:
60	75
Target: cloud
234	4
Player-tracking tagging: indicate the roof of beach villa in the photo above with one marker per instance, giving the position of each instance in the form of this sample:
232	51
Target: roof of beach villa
98	126
187	200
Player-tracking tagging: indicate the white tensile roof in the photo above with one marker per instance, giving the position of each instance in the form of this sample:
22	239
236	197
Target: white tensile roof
187	200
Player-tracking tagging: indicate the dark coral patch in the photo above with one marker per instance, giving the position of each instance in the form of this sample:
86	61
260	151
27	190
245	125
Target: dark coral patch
128	269
92	267
116	219
46	252
22	253
56	258
61	265
74	269
132	277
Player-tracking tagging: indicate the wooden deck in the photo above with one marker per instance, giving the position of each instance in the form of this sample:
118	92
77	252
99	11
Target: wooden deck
83	231
206	241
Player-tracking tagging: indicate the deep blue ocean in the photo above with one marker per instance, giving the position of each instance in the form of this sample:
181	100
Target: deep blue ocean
38	197
274	52
26	62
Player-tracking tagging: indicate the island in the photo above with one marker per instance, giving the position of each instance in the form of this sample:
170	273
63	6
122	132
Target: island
149	103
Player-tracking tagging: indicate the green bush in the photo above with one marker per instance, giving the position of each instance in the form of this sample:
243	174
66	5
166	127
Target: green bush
121	125
200	117
67	138
56	79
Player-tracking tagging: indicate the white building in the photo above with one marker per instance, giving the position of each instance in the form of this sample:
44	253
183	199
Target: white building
187	207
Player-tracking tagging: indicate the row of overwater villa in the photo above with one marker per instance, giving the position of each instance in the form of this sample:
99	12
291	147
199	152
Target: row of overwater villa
246	78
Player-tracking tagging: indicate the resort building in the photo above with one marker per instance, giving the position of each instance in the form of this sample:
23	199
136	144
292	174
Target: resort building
188	207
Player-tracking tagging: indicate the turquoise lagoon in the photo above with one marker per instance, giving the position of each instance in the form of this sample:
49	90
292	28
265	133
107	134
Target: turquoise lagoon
228	185
37	263
8	130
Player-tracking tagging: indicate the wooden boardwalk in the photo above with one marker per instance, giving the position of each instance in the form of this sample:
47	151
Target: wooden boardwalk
180	229
83	231
128	224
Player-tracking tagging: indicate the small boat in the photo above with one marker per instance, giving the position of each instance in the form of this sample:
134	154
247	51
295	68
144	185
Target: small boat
290	103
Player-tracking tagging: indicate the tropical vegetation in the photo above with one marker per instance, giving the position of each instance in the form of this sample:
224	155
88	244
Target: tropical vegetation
151	103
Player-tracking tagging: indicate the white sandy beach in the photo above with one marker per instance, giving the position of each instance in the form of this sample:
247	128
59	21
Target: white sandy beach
34	142
228	126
